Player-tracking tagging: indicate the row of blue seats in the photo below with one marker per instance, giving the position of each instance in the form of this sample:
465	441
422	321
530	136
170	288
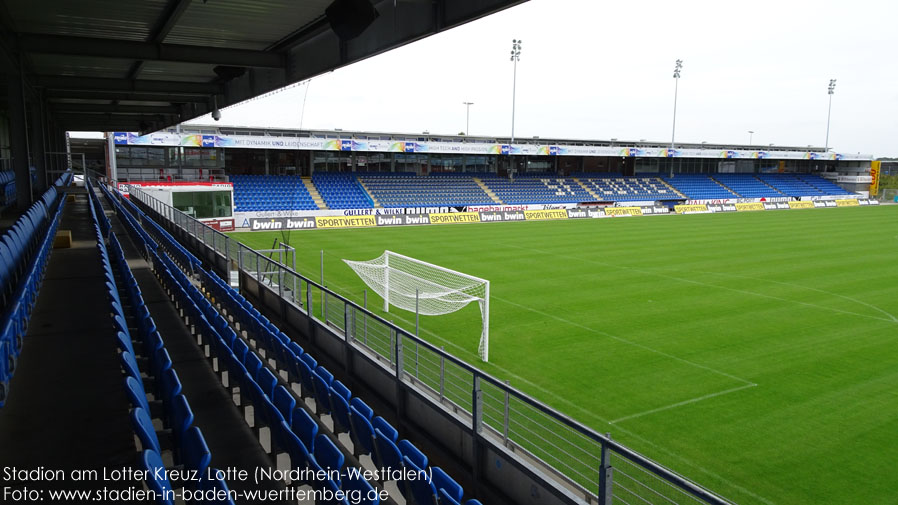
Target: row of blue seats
189	449
371	435
24	253
7	188
175	250
257	382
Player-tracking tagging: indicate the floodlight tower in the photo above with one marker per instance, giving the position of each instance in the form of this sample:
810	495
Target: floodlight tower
676	76
751	134
515	56
468	117
830	89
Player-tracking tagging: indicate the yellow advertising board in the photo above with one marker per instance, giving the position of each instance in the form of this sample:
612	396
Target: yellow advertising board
537	215
455	217
623	211
345	221
683	209
851	202
874	178
745	207
806	204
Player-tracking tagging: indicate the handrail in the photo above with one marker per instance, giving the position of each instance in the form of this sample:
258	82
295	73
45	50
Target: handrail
685	486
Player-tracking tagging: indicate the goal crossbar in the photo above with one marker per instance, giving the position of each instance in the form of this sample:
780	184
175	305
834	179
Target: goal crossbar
412	284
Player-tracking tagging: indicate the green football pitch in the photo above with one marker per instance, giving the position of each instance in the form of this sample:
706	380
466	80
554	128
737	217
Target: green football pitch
755	353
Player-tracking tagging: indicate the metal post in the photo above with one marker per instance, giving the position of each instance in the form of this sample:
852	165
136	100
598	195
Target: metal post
442	372
477	406
605	476
505	427
365	317
309	300
416	312
323	299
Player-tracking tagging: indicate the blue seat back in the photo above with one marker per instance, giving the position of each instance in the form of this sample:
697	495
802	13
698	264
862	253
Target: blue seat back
411	452
446	484
387	454
195	451
284	402
143	428
304	427
362	432
151	462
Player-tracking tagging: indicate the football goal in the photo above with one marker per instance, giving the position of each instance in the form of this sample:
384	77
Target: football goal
409	283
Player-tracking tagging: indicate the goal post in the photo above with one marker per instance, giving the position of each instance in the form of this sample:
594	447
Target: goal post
405	282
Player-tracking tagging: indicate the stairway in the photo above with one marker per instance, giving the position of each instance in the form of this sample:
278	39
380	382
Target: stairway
731	190
588	189
316	196
377	204
487	190
662	181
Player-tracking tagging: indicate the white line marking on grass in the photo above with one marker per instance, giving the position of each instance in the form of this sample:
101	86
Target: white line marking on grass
586	414
625	341
700	283
682	403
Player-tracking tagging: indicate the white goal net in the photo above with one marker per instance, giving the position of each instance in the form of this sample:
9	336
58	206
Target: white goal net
412	284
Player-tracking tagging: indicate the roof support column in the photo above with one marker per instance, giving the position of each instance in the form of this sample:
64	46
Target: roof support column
38	150
18	139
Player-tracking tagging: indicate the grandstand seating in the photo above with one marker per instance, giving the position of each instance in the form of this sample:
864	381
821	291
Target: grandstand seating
699	187
189	446
537	189
7	188
791	185
615	187
271	373
341	191
24	252
825	185
747	186
408	190
270	192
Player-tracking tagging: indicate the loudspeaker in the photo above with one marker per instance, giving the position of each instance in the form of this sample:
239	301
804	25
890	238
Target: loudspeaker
349	18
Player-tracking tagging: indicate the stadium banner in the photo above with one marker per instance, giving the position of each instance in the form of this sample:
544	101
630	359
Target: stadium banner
345	222
504	208
726	207
769	206
803	204
585	212
623	211
458	217
282	223
402	219
691	209
748	207
540	215
490	216
851	202
413	145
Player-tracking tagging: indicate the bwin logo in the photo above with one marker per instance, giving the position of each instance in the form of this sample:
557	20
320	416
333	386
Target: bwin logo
208	141
120	138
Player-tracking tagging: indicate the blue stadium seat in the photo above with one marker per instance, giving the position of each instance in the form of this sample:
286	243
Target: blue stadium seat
157	480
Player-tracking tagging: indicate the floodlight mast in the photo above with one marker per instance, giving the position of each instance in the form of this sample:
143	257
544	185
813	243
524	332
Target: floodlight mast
673	133
468	117
830	90
515	56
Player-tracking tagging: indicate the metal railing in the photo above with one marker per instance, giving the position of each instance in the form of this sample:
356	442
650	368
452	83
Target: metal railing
597	468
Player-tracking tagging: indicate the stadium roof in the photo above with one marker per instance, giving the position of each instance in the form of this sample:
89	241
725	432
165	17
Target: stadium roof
142	66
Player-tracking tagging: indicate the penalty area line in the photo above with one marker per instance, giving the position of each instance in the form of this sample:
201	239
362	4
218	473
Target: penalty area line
682	403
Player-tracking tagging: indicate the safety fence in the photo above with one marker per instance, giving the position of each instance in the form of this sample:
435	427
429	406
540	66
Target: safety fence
594	467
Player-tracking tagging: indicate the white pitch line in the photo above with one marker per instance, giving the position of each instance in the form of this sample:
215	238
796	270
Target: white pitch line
682	403
623	340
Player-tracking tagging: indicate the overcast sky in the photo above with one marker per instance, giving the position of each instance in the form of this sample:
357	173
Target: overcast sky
601	70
